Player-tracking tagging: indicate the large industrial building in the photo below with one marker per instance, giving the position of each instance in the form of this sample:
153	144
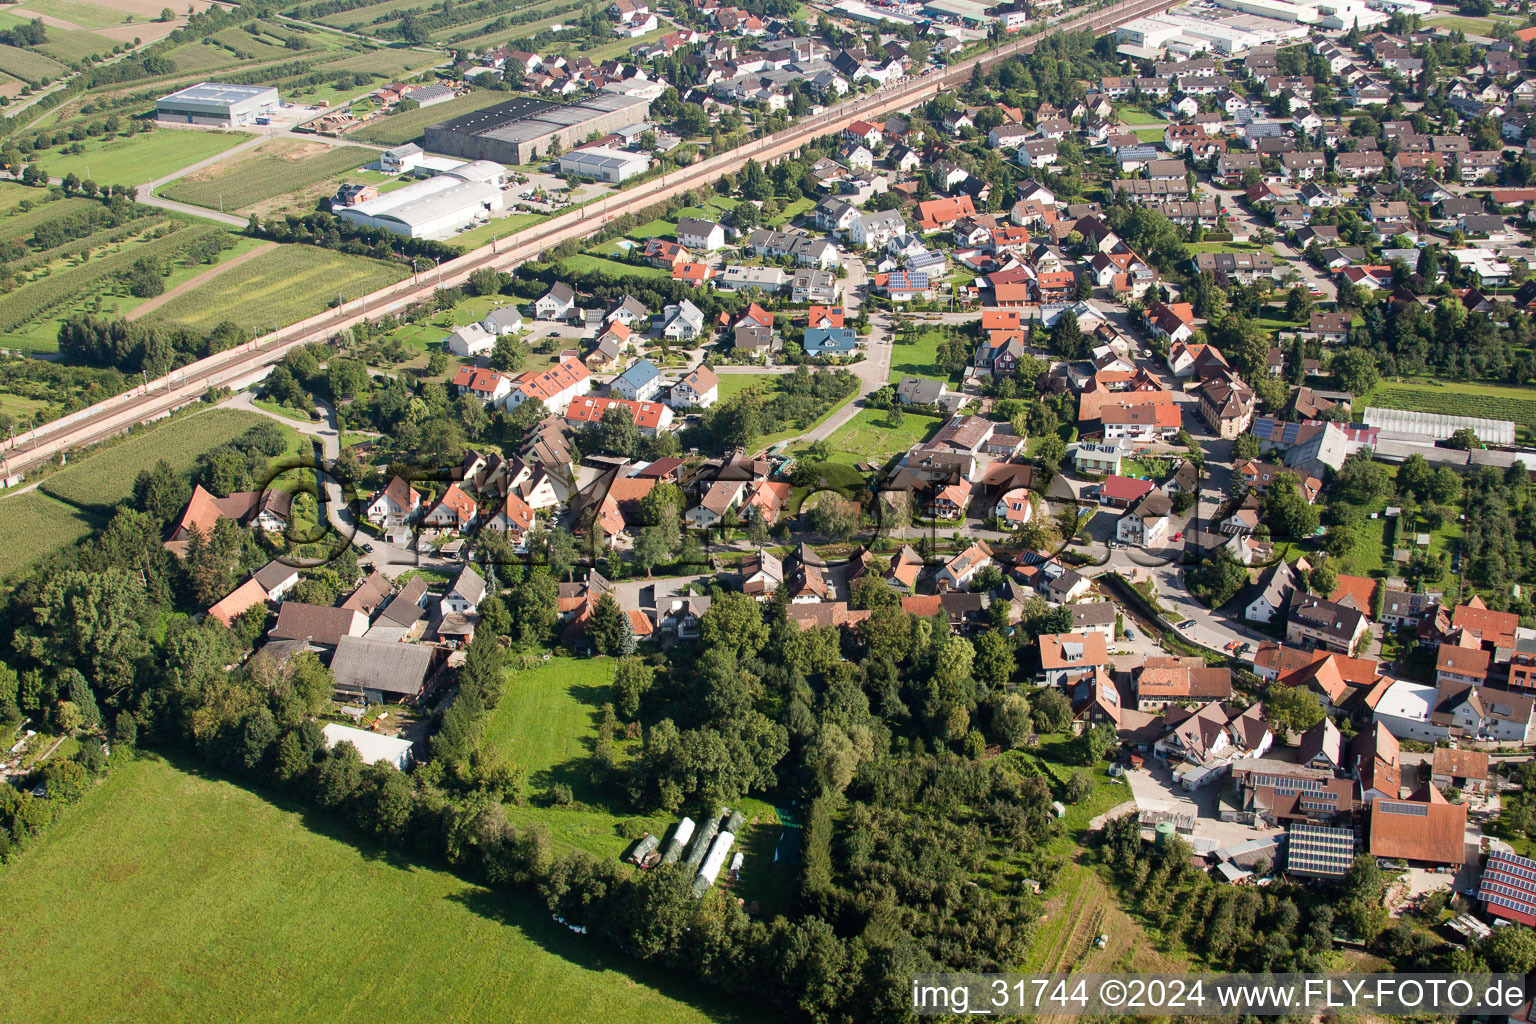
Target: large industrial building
436	207
602	164
522	130
217	104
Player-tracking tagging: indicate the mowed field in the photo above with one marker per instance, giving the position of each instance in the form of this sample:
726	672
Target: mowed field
1486	401
919	359
170	896
271	170
35	526
136	159
873	436
278	287
408	127
102	480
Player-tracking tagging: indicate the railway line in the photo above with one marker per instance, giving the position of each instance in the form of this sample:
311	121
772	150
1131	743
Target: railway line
246	363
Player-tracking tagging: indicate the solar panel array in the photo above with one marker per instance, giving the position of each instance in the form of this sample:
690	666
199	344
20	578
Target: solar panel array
1318	850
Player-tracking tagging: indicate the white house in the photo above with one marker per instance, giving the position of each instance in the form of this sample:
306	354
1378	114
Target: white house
700	235
718	501
555	304
371	746
503	320
466	593
639	383
700	389
401	159
958	572
470	341
396	503
1405	711
1145	524
682	321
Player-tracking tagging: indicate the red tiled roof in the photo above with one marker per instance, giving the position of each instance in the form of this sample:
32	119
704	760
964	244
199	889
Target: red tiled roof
589	409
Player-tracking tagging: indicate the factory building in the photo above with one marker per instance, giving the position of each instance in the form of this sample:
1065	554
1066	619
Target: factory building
602	164
436	207
523	130
1280	10
217	104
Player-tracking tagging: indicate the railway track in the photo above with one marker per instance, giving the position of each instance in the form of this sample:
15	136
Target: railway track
245	363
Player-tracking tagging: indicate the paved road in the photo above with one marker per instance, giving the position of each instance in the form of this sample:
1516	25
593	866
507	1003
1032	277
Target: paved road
874	370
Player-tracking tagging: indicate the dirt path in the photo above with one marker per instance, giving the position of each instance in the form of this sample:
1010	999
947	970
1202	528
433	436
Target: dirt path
186	286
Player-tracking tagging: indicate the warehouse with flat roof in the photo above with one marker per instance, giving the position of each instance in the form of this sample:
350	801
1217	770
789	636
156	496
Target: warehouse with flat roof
217	104
603	164
523	130
437	206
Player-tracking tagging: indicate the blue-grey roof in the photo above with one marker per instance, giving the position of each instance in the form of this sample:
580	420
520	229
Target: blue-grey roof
830	339
640	374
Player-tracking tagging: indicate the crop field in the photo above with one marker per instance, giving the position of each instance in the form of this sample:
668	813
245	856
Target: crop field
398	129
35	526
63	44
872	435
1488	401
42	333
366	15
29	65
174	896
41	295
136	159
277	288
271	170
101	480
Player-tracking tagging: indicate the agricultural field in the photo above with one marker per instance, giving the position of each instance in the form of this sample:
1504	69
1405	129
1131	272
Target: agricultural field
398	129
1491	401
66	45
168	894
874	436
29	65
278	287
141	158
35	526
274	169
42	334
63	282
367	15
101	480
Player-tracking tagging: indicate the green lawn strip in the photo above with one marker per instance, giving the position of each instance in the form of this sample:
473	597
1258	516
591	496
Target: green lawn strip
918	359
278	287
136	159
586	262
35	526
872	436
102	479
173	895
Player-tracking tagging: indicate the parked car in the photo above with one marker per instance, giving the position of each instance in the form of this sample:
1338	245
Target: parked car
1186	624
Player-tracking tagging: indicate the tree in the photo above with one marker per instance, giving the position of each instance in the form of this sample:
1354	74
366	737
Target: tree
508	354
534	607
734	622
1094	744
1355	369
1217	580
604	627
1245	447
1286	511
166	14
1010	720
1360	908
1051	710
833	516
1323	579
1298	305
632	678
347	378
1291	708
994	659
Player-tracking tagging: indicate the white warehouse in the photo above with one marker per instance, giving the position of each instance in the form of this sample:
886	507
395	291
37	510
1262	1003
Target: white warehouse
436	207
602	164
217	104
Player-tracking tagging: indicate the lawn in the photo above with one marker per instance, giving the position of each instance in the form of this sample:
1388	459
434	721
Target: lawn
769	440
587	263
408	127
1488	401
1131	114
735	383
501	227
101	480
918	359
35	526
273	169
172	896
278	287
1149	134
1468	26
136	159
791	211
871	436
